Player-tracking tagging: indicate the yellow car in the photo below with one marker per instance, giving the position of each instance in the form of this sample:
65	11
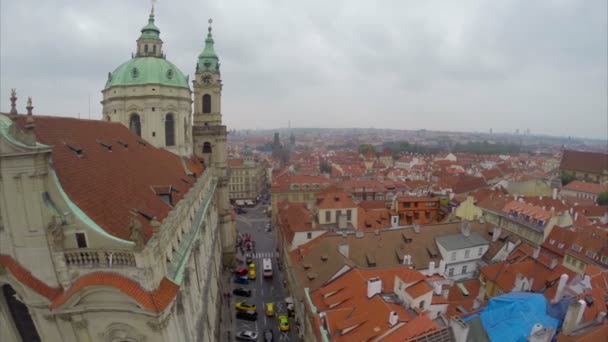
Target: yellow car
244	306
252	274
270	309
283	323
252	266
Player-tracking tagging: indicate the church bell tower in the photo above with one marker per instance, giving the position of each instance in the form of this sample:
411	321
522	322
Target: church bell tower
209	135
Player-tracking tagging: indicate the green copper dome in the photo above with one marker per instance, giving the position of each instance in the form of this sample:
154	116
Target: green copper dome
150	30
208	60
147	70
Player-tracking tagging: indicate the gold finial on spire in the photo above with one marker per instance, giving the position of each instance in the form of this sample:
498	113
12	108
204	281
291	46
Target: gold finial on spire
210	22
29	105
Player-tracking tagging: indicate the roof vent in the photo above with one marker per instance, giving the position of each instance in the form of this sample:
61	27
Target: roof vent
148	216
142	143
77	150
324	258
122	143
104	145
589	300
376	232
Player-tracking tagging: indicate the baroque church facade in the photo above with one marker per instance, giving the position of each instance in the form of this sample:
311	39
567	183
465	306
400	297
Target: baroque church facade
118	229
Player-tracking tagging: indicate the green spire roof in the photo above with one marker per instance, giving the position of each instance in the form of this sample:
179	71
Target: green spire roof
150	30
208	60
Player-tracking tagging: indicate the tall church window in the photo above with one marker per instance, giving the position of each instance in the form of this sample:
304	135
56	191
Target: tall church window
146	48
154	49
135	124
207	147
21	315
169	130
206	103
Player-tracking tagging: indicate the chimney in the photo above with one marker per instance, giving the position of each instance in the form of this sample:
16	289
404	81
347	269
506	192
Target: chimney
437	288
574	316
465	228
575	215
374	287
554	193
393	318
561	286
536	252
554	263
496	233
407	259
344	249
571	210
600	317
431	270
441	269
540	198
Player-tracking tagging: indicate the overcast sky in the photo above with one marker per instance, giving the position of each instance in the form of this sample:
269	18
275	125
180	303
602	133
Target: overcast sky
446	65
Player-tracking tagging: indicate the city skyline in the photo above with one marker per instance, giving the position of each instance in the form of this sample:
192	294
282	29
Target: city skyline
476	65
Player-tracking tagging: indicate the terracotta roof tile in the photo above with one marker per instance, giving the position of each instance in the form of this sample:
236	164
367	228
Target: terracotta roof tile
594	162
26	278
109	199
156	300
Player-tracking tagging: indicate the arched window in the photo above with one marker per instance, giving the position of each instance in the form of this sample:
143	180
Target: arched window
21	315
169	130
206	103
207	147
146	48
154	49
135	124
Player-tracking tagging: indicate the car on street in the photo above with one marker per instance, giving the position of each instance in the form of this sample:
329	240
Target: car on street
252	274
268	335
242	292
241	280
241	271
283	323
247	315
247	335
244	306
241	211
248	259
270	309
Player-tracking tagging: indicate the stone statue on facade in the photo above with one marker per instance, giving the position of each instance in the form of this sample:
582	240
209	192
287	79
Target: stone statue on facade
136	232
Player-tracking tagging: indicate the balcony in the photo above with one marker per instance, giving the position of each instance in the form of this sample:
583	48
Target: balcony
98	258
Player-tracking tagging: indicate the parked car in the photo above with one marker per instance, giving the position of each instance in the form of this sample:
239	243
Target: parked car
252	274
268	335
248	259
241	271
241	211
244	306
242	292
247	315
241	280
247	335
283	323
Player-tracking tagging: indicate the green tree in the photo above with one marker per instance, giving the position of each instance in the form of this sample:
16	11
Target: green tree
364	148
567	177
602	199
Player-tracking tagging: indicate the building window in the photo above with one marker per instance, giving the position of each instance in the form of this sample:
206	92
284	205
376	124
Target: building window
421	304
135	124
207	147
348	215
327	216
146	48
206	103
309	235
466	253
169	130
81	240
453	256
450	272
464	269
416	215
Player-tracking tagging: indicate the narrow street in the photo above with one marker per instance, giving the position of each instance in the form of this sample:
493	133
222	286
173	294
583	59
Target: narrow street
254	223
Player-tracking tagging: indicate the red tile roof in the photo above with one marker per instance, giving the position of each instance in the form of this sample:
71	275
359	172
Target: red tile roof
156	300
593	162
592	188
26	278
105	184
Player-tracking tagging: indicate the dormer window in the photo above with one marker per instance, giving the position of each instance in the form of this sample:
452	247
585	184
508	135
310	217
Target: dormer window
590	254
560	245
552	241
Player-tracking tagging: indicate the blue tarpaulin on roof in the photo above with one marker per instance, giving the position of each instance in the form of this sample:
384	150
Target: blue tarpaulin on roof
510	317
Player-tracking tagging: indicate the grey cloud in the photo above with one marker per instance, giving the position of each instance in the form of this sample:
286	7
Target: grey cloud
466	65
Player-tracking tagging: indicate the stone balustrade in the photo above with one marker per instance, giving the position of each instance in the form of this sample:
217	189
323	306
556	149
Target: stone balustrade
98	258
